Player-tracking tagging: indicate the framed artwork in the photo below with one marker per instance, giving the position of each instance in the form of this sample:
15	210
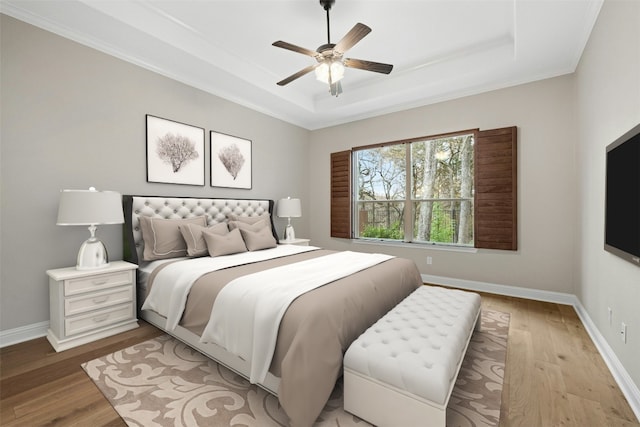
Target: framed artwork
230	161
175	152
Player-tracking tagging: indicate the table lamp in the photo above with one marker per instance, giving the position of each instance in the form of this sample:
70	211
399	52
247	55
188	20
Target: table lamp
90	207
289	208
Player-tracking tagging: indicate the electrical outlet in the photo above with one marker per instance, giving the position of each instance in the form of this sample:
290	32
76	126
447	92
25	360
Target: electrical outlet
610	312
623	332
429	260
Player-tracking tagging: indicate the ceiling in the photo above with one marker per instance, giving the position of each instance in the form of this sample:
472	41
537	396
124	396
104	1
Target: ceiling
440	49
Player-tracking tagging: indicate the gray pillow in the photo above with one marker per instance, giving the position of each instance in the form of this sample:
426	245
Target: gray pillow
250	219
230	243
162	237
258	225
192	234
260	239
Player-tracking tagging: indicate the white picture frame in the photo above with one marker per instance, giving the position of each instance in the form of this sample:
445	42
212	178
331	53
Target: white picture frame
175	152
230	161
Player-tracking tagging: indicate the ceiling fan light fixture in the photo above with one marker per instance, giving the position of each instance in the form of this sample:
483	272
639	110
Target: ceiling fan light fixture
337	70
330	71
322	72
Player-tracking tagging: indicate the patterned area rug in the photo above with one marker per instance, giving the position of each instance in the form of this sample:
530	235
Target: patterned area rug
162	382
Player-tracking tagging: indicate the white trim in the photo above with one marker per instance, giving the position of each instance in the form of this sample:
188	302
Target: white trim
413	245
23	333
492	288
620	374
74	341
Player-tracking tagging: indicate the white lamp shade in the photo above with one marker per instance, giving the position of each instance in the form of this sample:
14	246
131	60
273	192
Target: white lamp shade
289	208
89	207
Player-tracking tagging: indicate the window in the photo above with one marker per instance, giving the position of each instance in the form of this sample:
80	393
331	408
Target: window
456	189
437	193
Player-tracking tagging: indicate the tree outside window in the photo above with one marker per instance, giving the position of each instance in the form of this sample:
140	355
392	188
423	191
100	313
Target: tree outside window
438	191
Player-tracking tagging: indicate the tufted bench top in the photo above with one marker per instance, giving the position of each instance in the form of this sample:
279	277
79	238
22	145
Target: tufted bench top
418	346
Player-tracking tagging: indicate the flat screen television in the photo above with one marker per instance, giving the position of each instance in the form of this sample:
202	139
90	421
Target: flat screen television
622	197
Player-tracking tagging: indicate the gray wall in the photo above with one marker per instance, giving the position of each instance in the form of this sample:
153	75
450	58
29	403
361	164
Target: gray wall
73	117
547	210
608	99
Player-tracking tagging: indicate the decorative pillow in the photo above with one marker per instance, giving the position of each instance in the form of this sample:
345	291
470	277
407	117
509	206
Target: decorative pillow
162	237
258	225
230	243
256	240
192	234
250	219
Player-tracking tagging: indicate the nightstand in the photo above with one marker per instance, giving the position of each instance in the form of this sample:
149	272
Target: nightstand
86	305
299	242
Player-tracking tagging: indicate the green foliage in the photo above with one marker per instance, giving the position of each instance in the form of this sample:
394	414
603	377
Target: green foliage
394	233
441	225
438	198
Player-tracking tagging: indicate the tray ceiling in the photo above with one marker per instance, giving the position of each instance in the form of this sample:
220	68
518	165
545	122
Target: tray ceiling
440	49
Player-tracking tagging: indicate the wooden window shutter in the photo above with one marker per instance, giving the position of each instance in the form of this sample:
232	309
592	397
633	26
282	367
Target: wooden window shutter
341	194
495	202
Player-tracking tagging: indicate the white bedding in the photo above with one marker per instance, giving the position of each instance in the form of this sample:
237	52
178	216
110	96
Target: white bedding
146	268
171	286
247	312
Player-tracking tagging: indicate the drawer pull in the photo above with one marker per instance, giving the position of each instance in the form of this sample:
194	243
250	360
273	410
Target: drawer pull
100	319
98	282
100	300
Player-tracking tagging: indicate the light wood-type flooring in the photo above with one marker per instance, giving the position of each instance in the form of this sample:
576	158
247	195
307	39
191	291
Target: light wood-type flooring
554	375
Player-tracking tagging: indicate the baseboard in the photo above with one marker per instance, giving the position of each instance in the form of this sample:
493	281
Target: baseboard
23	333
492	288
620	374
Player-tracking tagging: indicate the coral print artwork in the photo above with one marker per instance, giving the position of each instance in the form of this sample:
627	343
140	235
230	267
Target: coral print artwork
230	161
175	152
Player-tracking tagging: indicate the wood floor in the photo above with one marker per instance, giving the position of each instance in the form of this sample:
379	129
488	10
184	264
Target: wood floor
554	375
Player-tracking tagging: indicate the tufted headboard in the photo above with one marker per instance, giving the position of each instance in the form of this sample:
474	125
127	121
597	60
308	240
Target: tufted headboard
216	210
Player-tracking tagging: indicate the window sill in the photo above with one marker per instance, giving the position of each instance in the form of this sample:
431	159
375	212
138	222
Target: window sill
409	245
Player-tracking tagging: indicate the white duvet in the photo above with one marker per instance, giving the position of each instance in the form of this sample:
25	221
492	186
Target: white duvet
171	286
247	312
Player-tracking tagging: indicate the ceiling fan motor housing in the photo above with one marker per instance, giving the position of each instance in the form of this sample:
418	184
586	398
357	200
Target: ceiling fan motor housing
326	4
325	48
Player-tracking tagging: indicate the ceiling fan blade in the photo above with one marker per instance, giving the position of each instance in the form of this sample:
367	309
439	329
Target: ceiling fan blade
356	34
299	74
377	67
295	48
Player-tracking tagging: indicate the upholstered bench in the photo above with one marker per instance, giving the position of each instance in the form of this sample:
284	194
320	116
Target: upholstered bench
401	371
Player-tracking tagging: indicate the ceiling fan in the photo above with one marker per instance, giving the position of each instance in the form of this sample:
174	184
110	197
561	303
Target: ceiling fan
330	62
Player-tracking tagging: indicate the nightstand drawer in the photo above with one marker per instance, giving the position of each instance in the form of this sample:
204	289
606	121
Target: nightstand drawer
93	301
97	282
98	319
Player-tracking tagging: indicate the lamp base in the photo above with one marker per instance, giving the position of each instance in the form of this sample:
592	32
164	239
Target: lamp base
92	255
289	233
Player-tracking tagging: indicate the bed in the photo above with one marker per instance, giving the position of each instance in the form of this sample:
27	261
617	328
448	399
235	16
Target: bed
312	333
